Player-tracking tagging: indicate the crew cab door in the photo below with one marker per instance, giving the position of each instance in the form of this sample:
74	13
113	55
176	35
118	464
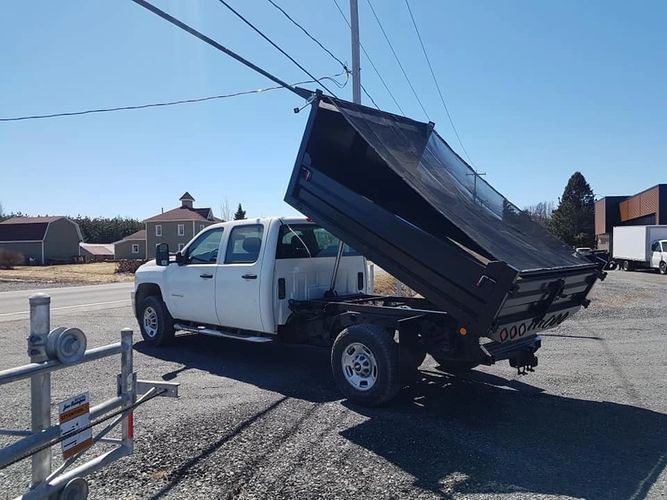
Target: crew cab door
191	286
239	277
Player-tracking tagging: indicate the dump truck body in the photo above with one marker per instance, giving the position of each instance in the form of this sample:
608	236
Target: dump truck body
394	190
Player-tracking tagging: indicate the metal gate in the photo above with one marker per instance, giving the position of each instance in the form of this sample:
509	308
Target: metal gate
58	349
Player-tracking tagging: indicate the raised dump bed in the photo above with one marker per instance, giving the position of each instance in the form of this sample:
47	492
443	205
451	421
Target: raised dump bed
392	188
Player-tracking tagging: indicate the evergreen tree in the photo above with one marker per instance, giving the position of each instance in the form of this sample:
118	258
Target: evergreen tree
240	213
574	219
106	230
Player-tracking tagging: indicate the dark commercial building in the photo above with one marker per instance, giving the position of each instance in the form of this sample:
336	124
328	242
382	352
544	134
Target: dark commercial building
642	209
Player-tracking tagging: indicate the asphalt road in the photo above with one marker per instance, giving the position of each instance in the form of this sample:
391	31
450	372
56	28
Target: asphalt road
265	421
14	304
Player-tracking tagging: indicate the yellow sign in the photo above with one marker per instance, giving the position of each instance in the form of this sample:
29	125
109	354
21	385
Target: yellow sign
74	416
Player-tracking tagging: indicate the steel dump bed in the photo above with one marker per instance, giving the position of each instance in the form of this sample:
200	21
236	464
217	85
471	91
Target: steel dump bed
393	189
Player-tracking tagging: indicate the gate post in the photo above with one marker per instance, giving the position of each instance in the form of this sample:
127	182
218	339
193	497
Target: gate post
127	388
40	385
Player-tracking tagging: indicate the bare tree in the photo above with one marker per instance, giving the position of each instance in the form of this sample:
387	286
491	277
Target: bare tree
541	212
225	212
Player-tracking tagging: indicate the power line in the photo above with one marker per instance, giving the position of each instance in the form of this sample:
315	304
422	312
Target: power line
309	35
386	37
377	72
303	93
369	96
435	80
260	33
167	103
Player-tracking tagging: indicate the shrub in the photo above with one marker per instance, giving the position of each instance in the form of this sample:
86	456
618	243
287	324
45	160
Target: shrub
10	258
128	266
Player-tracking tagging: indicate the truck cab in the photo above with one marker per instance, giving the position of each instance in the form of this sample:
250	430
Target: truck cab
659	256
237	278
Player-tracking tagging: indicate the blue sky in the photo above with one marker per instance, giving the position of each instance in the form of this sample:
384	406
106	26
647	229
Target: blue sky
538	89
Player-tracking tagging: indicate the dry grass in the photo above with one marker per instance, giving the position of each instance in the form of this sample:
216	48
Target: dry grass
97	272
385	284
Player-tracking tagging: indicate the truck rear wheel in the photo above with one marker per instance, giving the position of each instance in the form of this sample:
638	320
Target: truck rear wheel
364	362
627	265
157	325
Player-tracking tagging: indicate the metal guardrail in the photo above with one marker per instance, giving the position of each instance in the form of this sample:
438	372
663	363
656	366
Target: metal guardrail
57	349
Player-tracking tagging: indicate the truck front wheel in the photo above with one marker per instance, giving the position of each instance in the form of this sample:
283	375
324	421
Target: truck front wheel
364	362
157	325
663	267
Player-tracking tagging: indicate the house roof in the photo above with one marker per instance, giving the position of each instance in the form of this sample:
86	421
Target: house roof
187	196
32	220
23	232
139	235
182	213
25	228
98	248
30	228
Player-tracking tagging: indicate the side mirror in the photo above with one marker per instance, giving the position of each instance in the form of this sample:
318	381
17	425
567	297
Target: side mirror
180	259
162	254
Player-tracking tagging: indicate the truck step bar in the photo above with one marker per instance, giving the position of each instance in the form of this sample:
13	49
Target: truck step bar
221	333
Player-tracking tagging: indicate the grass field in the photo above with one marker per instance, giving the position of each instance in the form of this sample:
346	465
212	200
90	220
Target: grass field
98	272
385	284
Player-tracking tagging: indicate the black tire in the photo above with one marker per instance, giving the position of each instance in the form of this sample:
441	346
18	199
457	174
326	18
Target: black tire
164	323
385	353
663	267
627	266
454	367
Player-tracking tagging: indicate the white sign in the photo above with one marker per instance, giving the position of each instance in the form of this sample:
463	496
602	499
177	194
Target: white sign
75	414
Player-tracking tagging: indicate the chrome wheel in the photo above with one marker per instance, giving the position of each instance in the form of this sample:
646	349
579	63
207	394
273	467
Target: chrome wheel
359	366
150	322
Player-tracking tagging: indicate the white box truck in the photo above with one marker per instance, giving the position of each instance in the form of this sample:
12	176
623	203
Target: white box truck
641	247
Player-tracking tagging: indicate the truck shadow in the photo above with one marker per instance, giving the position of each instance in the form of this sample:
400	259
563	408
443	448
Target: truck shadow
477	434
297	371
486	434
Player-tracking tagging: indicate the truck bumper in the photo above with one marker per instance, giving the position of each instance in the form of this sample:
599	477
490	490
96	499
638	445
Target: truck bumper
496	351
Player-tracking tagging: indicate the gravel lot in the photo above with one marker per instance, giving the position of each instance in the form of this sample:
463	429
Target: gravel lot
265	421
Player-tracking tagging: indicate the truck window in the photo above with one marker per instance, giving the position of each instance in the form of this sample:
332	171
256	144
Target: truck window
302	241
204	250
655	247
664	246
244	244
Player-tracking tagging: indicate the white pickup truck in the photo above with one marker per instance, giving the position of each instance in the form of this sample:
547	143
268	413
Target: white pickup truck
290	280
235	279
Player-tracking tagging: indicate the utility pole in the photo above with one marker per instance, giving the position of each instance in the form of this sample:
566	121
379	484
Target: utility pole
356	70
356	98
475	175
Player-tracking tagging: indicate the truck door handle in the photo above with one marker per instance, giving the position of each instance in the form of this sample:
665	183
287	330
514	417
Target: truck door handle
249	276
206	276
